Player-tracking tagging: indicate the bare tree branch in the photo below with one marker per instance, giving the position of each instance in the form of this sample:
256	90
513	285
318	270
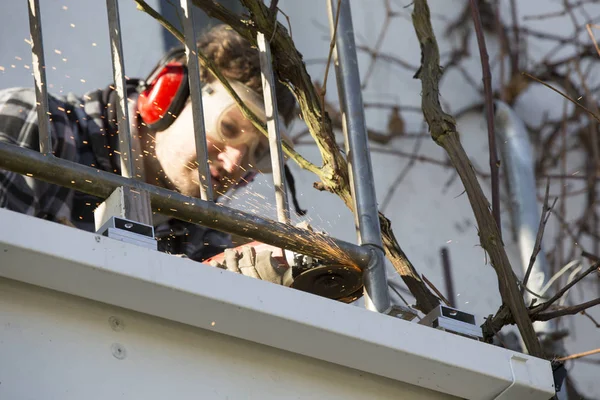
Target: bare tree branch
572	310
443	132
538	239
544	306
489	109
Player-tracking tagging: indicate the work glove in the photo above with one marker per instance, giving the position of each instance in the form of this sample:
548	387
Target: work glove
256	264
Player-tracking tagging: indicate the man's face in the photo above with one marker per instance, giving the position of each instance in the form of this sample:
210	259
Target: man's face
233	145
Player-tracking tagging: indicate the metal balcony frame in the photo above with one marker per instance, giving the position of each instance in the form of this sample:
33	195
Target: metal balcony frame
368	255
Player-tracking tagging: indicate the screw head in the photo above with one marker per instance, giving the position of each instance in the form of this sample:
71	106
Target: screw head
116	323
118	351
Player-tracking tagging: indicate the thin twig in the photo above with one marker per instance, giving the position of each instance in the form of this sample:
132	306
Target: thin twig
503	317
504	49
590	256
517	41
394	186
563	186
489	110
596	117
572	310
374	55
538	240
287	18
323	91
591	33
579	355
544	306
590	318
555	14
389	58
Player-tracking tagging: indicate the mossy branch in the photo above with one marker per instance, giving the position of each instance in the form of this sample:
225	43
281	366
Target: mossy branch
443	131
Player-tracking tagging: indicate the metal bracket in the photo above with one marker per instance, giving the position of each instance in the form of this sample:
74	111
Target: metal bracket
452	320
129	231
126	216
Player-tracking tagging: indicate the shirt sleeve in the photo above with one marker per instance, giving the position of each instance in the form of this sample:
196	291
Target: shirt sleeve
19	127
195	241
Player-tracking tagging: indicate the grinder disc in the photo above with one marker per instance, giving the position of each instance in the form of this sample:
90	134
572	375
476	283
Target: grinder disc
337	282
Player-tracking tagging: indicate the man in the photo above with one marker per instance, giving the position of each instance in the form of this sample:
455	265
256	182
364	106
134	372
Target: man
84	130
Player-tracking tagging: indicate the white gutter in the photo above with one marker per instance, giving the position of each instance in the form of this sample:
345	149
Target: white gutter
84	264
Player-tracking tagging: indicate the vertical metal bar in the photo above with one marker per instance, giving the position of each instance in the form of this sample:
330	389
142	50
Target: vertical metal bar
39	76
191	54
359	159
268	83
118	64
349	89
448	277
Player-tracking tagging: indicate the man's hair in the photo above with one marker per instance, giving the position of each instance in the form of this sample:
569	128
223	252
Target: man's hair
235	57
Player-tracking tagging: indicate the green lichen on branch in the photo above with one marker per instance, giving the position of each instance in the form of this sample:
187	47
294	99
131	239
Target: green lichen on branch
443	131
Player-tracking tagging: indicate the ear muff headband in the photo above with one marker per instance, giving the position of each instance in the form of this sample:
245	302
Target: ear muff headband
165	93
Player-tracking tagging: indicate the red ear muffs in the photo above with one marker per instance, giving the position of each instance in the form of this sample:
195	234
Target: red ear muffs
165	96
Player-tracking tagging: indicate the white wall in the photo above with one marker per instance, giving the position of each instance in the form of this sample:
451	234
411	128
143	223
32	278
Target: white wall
65	347
425	215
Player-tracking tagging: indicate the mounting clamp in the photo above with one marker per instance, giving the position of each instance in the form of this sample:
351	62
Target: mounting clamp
452	320
126	216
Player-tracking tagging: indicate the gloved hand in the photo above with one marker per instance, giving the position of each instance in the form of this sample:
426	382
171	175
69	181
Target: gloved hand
261	264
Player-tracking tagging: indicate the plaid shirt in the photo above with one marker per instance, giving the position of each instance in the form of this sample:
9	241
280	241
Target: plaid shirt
83	131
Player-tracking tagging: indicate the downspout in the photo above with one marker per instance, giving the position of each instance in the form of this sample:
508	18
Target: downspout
518	166
366	214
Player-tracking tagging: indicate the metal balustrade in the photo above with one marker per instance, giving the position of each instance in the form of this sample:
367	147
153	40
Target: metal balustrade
368	255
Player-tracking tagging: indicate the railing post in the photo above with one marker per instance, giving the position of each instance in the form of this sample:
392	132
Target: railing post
272	116
359	160
118	64
191	53
140	202
39	76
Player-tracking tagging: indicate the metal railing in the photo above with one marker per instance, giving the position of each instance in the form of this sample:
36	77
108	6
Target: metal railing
368	256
